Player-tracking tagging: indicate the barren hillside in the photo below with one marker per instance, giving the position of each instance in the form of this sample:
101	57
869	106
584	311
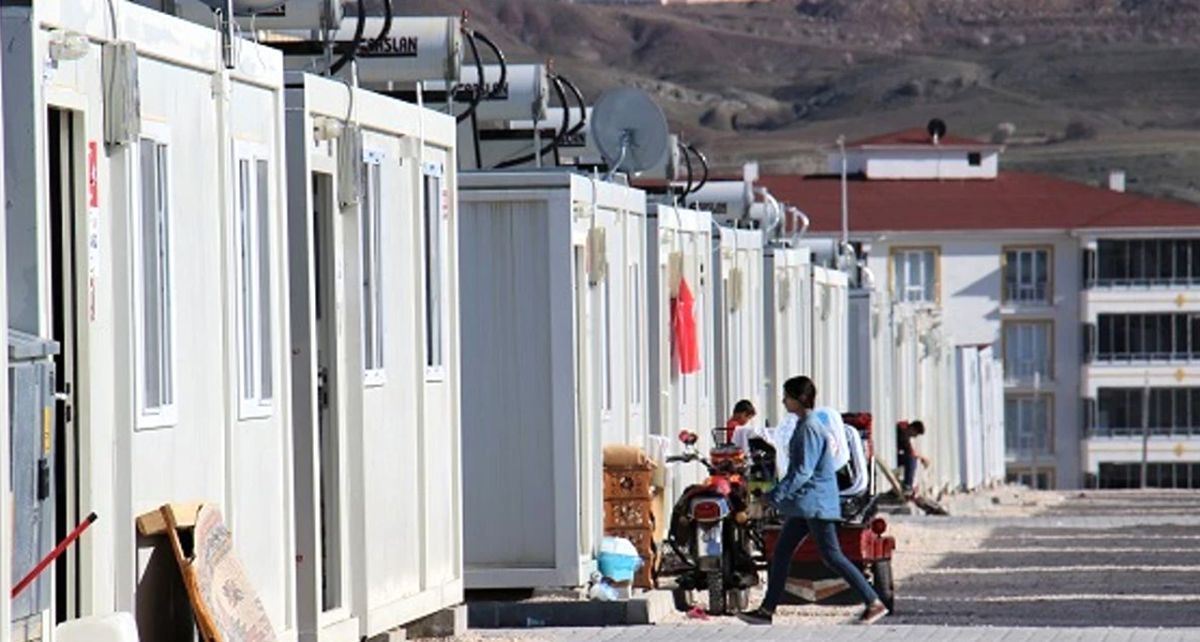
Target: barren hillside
1088	85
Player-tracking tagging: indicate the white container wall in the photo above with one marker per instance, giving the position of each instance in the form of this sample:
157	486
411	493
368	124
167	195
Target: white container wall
872	386
553	305
739	312
831	351
679	246
992	378
970	418
375	360
172	311
789	328
938	394
6	524
981	420
926	388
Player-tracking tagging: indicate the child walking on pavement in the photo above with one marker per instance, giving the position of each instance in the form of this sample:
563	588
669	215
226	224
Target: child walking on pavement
807	497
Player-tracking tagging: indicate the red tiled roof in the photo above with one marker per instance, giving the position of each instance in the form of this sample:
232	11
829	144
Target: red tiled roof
1015	200
916	137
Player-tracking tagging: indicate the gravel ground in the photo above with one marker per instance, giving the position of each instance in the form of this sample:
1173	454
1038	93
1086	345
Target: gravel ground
921	543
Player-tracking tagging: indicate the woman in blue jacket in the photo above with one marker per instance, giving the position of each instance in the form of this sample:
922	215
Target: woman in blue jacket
808	497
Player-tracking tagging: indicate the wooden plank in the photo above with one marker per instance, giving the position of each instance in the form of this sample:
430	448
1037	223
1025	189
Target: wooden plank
897	487
154	523
204	620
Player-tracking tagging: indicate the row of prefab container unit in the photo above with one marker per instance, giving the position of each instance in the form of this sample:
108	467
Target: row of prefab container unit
572	289
252	283
905	367
276	294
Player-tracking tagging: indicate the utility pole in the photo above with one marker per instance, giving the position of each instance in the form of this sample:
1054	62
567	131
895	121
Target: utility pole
1037	397
841	142
1145	427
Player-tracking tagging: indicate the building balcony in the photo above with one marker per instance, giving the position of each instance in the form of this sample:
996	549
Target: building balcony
1143	285
1161	449
1138	374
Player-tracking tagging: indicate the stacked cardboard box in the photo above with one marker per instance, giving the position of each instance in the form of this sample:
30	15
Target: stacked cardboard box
629	496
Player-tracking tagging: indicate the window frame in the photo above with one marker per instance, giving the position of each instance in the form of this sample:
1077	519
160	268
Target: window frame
436	371
894	273
164	415
1007	296
372	199
1184	337
255	405
1049	375
1179	252
1046	398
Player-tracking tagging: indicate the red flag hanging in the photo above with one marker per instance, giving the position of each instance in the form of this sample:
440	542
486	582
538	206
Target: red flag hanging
683	329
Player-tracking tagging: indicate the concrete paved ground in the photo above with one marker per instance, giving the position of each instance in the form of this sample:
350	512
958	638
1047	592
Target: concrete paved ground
1110	566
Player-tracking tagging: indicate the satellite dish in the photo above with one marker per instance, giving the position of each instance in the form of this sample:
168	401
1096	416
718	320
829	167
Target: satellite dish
630	130
936	129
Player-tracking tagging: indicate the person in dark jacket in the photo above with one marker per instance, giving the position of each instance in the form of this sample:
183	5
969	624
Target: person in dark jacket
906	451
807	497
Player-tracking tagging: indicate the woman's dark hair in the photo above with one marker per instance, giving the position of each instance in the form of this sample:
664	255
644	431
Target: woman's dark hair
917	427
744	407
801	389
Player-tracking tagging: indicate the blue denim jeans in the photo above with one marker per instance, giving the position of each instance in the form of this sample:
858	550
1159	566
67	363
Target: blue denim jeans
910	470
795	529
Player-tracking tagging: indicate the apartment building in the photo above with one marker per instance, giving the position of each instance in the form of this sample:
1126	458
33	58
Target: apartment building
1091	294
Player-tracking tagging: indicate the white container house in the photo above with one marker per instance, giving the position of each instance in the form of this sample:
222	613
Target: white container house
151	245
925	381
738	312
679	243
871	367
981	422
830	342
375	359
553	292
789	323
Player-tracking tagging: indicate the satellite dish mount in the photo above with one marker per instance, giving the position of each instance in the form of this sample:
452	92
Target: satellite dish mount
630	130
936	129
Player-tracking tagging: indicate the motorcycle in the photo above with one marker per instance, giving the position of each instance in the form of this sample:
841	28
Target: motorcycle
712	529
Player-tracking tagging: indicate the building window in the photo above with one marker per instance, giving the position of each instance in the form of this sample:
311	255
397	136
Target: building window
253	223
1123	411
1145	262
1028	351
974	159
1027	275
1036	479
1028	426
1158	475
155	328
371	249
436	223
914	275
1147	337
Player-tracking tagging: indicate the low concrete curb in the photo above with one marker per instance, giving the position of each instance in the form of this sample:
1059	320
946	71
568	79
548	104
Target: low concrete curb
645	609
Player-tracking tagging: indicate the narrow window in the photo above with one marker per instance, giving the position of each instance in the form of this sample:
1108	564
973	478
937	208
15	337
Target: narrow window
435	224
156	333
371	245
253	225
